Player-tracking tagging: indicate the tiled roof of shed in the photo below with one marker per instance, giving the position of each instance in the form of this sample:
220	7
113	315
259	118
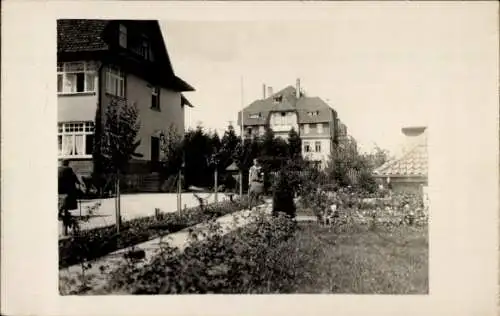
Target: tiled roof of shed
413	163
77	35
289	102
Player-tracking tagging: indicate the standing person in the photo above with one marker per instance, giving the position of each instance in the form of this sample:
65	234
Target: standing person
68	192
255	183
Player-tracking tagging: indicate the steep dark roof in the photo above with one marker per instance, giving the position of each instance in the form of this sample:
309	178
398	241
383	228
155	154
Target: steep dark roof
75	35
288	102
87	35
185	101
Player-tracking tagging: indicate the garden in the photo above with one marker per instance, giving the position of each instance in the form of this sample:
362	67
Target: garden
328	231
374	245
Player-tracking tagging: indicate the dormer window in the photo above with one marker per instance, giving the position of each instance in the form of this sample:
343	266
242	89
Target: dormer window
255	115
277	99
123	36
314	113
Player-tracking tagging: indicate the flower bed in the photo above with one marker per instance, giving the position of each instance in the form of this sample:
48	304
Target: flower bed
247	260
396	209
94	243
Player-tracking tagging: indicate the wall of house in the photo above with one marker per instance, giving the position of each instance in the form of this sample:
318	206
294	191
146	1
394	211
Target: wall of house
153	122
76	107
314	131
282	124
323	155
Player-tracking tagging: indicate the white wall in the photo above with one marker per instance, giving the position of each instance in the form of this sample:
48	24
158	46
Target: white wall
154	121
279	123
322	156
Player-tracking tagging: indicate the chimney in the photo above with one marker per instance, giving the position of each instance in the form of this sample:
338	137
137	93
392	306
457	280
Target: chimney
269	91
297	88
263	91
414	135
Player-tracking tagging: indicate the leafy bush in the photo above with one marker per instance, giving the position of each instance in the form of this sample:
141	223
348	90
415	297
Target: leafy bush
283	196
93	243
248	260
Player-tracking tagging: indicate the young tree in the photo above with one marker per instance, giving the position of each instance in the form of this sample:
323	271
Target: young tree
117	143
172	154
230	143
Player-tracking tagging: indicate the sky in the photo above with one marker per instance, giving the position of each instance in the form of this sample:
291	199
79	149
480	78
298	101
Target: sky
378	71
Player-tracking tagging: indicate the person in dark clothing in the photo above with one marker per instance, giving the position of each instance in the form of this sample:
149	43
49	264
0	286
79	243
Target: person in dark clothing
68	186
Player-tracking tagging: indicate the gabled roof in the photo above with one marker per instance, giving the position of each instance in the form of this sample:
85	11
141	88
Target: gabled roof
412	164
288	102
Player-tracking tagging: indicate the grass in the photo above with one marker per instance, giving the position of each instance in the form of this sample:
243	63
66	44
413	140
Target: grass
360	260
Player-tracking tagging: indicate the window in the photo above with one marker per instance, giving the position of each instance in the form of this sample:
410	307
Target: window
307	147
255	115
123	36
155	98
262	130
76	77
75	139
306	128
319	127
317	146
277	99
155	148
115	82
145	48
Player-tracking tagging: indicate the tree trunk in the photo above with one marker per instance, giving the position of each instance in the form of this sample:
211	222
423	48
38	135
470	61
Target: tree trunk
117	204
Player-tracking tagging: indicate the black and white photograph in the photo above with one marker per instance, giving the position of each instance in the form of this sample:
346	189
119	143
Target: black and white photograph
264	156
290	188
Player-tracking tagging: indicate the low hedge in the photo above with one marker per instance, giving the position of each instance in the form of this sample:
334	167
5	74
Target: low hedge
94	243
249	260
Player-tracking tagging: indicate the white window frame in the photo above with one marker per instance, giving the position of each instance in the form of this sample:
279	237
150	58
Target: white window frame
65	69
155	91
262	130
70	130
319	127
115	81
317	146
255	115
306	128
122	37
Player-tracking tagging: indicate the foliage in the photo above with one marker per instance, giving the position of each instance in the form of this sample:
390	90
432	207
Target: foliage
295	144
197	152
171	149
283	195
117	143
248	260
346	167
93	243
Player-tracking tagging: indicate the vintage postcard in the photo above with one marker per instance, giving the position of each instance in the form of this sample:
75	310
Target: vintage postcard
255	150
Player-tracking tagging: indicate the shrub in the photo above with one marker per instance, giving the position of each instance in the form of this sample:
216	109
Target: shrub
283	196
93	243
248	260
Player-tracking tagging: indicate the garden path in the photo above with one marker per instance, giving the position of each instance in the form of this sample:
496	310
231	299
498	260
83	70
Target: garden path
96	279
136	206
